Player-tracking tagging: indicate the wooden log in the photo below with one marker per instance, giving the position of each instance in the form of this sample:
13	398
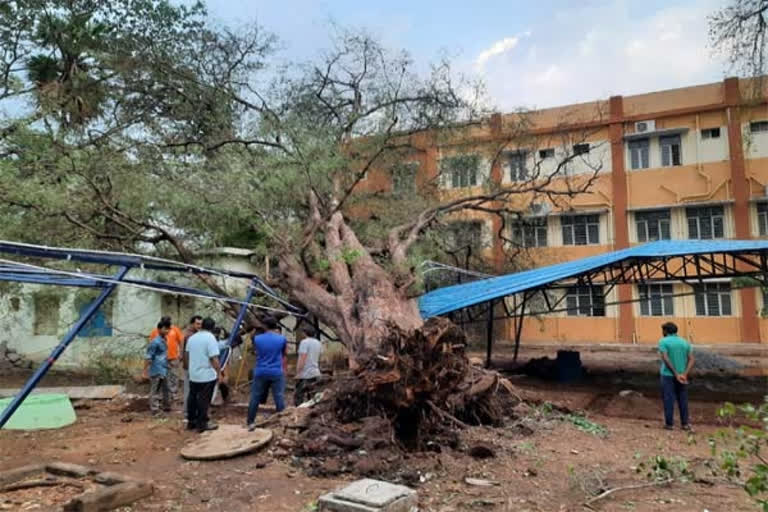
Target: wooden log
67	469
29	484
109	498
16	474
109	478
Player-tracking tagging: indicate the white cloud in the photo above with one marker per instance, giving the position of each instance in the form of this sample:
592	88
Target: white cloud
497	48
588	53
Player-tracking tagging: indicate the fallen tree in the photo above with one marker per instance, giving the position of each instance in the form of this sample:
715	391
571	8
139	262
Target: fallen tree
298	164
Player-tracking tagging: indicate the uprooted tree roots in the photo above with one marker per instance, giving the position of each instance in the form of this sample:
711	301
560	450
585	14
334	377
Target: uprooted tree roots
415	393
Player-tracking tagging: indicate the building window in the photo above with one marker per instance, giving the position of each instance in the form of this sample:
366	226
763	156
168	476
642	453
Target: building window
656	300
581	149
517	169
705	223
466	235
639	151
404	178
713	299
710	133
758	126
531	232
46	309
585	301
461	171
100	323
547	153
671	154
581	229
652	225
762	218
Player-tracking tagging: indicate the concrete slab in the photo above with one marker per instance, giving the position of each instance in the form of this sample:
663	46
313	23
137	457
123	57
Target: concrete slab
73	392
369	495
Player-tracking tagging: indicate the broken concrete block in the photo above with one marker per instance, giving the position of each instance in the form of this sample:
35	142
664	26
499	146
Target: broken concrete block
369	495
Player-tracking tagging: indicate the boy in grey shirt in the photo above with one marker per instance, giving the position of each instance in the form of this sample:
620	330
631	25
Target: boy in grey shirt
308	366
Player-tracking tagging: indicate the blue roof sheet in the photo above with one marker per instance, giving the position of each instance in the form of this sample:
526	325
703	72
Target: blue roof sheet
452	298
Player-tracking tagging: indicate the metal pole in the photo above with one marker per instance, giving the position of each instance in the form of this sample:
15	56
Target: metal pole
235	329
489	346
519	326
60	348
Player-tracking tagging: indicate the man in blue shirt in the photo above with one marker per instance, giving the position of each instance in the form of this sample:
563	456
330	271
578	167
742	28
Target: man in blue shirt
676	362
270	348
156	369
201	360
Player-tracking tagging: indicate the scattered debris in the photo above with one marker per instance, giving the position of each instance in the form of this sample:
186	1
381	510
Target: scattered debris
94	490
480	482
10	359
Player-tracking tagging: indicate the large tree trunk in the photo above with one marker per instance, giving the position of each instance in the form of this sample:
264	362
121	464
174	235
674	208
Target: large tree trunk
413	374
361	301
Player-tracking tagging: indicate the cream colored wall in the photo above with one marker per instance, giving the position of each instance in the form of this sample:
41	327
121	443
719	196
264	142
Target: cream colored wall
755	144
712	150
597	160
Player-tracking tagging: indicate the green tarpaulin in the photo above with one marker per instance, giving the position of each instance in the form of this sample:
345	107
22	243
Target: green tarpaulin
41	412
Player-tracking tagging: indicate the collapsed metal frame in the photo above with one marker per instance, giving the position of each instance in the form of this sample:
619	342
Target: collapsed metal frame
691	269
24	273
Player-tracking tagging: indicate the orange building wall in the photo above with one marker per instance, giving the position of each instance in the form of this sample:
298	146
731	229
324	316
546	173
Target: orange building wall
723	175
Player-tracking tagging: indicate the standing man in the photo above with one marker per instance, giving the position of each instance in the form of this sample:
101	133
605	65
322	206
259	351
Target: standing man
156	369
308	366
173	341
676	362
201	360
270	348
195	324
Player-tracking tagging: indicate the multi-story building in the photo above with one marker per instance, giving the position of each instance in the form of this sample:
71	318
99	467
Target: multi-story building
688	163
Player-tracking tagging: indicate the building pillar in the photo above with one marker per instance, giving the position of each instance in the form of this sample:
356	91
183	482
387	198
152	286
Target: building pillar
750	324
619	209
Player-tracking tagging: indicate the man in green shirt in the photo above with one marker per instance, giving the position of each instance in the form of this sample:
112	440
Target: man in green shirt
676	363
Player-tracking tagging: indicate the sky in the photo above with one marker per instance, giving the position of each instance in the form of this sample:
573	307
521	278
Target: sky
531	54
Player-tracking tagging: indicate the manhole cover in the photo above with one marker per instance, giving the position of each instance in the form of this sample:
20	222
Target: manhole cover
225	442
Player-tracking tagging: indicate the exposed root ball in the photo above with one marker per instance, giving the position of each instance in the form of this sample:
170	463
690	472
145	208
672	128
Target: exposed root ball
422	383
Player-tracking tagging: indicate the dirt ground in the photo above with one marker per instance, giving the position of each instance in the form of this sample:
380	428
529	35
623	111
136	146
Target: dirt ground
544	463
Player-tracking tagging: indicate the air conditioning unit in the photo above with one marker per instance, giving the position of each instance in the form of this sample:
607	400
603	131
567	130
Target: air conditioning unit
645	126
540	209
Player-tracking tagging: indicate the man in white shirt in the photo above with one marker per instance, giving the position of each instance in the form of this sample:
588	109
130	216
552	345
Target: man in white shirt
308	366
201	360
